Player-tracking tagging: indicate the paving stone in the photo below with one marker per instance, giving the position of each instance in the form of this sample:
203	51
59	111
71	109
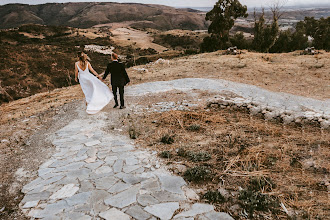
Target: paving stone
66	191
92	143
130	178
119	187
114	214
118	166
68	180
99	207
171	183
191	194
103	169
81	174
138	213
92	152
164	196
98	196
110	160
164	210
70	167
105	183
128	169
93	166
218	216
45	171
124	198
196	209
76	216
86	186
81	152
146	200
91	159
131	161
122	148
151	185
31	204
37	196
60	163
79	198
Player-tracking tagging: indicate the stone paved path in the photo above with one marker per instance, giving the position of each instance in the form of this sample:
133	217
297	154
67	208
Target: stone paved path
94	175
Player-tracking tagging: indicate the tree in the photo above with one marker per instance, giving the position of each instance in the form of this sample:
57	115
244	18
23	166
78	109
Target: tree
222	18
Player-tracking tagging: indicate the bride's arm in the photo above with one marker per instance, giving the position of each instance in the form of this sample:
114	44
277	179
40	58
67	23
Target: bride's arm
93	71
75	73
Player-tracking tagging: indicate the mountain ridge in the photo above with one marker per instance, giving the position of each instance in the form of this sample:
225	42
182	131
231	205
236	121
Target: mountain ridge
88	14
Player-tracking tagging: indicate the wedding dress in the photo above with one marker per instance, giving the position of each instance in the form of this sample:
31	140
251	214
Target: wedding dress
97	93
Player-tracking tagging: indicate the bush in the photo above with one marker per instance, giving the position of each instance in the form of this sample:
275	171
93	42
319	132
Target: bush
167	139
200	156
255	201
257	184
197	174
181	152
165	154
194	127
214	197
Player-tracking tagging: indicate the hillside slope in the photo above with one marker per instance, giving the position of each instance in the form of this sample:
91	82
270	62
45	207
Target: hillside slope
88	14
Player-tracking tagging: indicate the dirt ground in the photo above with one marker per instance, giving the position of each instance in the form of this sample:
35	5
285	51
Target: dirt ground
26	122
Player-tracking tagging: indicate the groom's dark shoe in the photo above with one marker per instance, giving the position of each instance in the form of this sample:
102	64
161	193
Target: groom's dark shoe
115	106
122	107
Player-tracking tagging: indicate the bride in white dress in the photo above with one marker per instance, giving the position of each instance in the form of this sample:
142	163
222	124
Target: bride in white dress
97	93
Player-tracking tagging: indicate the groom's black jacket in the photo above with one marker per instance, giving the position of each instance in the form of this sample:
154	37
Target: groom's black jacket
119	75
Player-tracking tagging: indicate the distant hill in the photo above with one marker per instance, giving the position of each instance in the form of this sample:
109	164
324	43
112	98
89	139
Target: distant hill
88	14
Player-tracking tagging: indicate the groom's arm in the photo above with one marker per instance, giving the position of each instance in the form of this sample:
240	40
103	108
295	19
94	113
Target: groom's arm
125	74
107	71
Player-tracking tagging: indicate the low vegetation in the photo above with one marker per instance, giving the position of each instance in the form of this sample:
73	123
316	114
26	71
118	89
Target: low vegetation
244	165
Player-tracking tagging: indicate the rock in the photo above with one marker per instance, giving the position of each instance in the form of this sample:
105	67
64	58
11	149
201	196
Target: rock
146	200
165	196
66	191
325	124
138	213
118	166
114	214
190	194
31	204
171	183
119	187
164	210
196	209
124	198
92	143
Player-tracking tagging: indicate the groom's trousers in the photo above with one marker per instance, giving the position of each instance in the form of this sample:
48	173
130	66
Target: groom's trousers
121	94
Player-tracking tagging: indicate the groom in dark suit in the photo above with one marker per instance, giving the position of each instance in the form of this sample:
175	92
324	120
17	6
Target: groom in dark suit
119	79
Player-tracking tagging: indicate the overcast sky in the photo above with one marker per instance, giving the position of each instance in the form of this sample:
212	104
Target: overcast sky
178	3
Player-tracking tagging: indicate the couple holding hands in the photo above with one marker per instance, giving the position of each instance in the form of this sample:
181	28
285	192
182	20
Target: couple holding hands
97	94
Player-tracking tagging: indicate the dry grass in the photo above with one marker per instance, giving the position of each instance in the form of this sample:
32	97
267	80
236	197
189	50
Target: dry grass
245	148
287	72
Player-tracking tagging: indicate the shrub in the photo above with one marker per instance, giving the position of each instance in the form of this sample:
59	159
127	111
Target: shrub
194	127
182	152
167	139
132	133
199	156
197	174
263	183
255	201
214	197
165	154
